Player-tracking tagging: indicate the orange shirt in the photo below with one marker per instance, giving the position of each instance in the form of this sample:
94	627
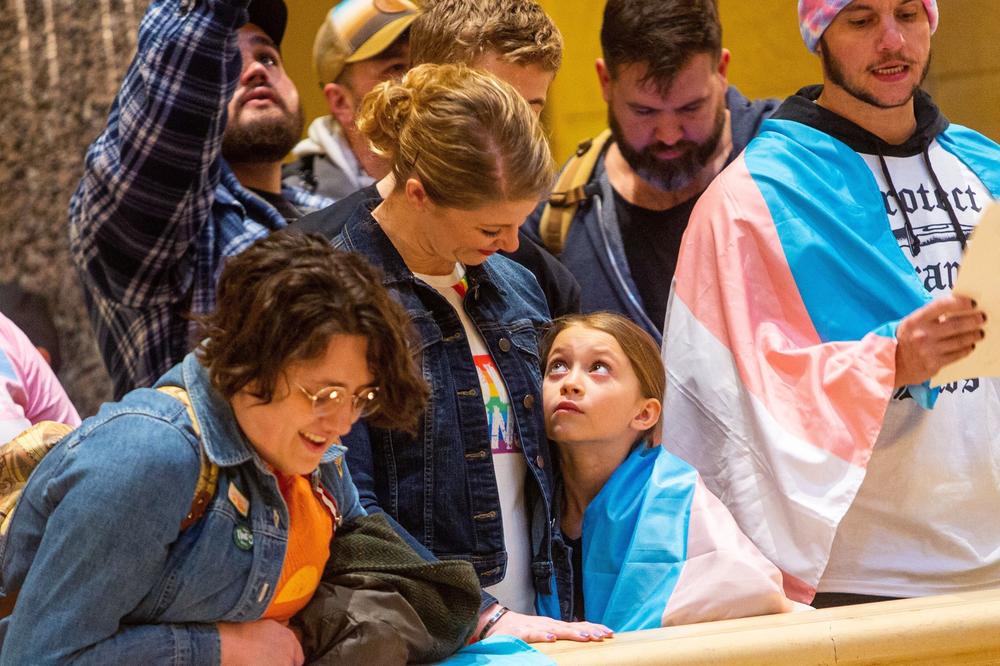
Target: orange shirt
310	530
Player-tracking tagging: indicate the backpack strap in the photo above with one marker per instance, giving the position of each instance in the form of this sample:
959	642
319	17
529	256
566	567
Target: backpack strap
568	194
208	476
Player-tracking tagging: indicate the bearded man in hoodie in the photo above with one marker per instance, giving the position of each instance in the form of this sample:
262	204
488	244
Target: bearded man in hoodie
812	303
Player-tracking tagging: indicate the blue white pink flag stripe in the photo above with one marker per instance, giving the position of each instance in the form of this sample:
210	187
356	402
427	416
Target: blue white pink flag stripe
780	349
12	418
659	549
499	651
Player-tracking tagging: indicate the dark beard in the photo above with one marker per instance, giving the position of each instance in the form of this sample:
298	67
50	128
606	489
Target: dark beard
677	173
835	75
263	140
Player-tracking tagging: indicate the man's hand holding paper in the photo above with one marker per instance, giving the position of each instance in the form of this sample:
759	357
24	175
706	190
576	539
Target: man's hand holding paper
977	281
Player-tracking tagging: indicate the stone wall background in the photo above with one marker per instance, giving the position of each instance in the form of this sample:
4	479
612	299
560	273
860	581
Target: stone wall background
63	62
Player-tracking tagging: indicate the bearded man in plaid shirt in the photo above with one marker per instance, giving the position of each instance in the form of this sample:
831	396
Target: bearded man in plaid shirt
186	173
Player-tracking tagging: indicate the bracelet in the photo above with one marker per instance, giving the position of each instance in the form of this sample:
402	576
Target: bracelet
490	623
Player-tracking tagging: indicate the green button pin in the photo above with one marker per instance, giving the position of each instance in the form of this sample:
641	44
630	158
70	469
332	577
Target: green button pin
243	537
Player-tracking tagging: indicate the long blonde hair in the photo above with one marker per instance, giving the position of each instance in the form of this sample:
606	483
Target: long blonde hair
467	136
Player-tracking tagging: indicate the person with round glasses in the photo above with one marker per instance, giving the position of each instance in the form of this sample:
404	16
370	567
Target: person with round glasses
99	552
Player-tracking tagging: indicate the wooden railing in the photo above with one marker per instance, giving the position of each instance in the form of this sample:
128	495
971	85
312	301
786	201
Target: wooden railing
949	629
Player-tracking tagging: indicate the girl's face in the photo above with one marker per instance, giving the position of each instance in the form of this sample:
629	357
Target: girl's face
590	392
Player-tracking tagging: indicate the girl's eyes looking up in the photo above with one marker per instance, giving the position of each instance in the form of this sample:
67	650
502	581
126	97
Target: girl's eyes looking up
600	368
555	367
558	366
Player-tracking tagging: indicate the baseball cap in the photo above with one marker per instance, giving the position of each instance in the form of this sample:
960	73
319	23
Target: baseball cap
357	30
271	16
815	16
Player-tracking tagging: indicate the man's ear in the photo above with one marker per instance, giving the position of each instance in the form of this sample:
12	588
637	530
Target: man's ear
723	68
648	414
604	79
340	102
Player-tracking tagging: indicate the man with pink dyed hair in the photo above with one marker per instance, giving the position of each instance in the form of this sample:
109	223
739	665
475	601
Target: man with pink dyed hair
812	305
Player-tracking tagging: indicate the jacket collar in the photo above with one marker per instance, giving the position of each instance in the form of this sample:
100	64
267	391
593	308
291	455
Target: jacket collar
801	108
231	193
221	437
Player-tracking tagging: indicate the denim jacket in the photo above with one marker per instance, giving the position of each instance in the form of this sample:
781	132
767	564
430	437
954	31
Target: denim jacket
105	574
440	486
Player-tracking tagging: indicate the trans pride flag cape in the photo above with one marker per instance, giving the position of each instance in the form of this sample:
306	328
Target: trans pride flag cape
780	347
659	549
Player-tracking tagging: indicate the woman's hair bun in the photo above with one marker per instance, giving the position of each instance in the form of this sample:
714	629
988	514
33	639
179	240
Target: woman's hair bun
383	115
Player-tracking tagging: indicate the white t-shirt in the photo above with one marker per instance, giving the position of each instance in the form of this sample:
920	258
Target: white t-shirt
925	519
515	591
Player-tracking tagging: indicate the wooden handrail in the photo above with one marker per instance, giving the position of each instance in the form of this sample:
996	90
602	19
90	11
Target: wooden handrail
947	629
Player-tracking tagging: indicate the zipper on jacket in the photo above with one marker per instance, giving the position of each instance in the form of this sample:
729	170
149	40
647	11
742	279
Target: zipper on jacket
622	282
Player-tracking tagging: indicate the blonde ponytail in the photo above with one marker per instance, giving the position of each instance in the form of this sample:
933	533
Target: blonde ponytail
386	109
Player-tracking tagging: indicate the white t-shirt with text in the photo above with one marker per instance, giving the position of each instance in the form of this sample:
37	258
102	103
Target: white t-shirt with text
925	519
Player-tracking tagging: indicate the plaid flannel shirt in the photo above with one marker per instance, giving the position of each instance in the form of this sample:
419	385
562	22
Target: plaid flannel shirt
158	210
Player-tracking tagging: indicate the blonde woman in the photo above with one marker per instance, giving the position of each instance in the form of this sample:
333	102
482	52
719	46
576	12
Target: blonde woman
469	161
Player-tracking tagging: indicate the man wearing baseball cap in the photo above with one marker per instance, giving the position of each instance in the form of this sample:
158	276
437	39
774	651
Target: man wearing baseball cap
811	306
360	44
186	173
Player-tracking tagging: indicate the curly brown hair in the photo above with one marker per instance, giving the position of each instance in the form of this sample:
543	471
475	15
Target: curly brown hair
283	299
462	31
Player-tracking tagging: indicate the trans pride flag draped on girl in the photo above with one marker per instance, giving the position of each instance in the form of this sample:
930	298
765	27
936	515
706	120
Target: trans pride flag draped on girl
780	347
659	549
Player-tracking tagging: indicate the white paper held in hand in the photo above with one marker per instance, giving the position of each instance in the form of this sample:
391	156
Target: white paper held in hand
978	279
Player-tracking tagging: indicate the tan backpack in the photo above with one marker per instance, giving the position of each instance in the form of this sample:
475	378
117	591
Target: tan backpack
568	194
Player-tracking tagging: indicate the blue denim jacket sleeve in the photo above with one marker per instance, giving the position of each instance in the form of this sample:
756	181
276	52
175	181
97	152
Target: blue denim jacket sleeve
359	456
113	494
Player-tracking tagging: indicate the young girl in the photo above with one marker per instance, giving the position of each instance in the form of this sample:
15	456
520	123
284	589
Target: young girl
651	546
